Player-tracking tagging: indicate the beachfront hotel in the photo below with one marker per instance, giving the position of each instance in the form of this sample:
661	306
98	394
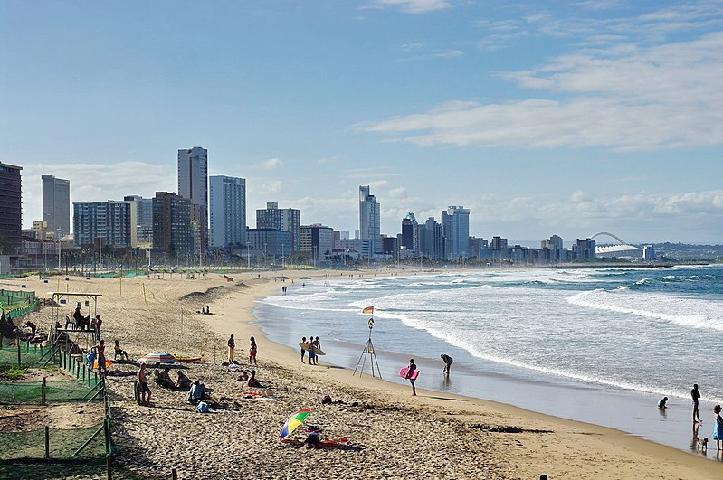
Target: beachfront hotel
228	210
11	212
284	219
108	222
56	205
193	185
369	221
455	223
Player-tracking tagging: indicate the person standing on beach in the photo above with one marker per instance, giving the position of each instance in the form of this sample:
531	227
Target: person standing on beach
100	349
718	428
316	345
231	345
447	363
695	395
252	352
312	352
303	346
143	390
411	369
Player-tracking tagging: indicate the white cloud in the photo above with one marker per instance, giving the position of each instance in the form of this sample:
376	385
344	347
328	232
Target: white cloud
271	163
636	98
96	182
415	6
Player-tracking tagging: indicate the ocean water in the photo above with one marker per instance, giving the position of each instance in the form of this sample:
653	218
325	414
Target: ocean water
624	337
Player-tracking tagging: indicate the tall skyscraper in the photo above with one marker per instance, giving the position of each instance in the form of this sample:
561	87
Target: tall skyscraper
228	211
193	185
369	220
432	241
106	222
56	204
284	219
455	223
410	240
584	249
172	232
11	211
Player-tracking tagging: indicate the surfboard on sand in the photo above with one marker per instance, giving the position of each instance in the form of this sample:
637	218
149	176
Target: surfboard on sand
403	373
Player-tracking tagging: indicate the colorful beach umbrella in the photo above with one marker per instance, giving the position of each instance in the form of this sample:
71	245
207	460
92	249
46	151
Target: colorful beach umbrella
294	421
160	358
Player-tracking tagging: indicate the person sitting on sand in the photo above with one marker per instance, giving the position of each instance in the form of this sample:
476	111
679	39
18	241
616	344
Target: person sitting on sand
197	392
144	391
163	379
244	377
182	381
253	383
313	439
252	351
118	352
662	404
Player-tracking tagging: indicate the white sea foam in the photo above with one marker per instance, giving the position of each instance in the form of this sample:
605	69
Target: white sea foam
669	308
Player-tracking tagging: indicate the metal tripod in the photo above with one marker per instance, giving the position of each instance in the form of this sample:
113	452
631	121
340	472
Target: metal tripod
368	352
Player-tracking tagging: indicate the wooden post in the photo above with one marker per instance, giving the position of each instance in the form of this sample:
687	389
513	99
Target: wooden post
18	340
82	368
42	390
109	466
47	442
145	299
174	475
543	477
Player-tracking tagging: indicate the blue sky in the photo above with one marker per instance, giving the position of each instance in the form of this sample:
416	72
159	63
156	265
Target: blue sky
542	117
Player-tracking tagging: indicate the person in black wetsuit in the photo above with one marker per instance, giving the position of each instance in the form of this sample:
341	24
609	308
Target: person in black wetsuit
447	363
695	395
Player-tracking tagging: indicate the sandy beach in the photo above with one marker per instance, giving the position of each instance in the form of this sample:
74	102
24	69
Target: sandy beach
395	435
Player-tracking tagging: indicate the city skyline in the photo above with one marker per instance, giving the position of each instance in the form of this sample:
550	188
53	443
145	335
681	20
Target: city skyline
576	145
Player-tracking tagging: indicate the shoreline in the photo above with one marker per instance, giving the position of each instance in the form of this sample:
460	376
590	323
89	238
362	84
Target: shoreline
434	434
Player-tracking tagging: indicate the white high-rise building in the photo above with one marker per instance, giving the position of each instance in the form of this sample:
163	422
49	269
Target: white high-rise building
56	204
193	185
228	211
455	224
369	220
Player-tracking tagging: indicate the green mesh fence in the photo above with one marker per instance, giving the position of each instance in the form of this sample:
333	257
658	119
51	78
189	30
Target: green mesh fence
30	354
17	393
63	443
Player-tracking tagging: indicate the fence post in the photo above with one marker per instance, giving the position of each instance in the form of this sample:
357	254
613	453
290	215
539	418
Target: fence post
174	475
1	341
47	442
18	340
109	466
42	390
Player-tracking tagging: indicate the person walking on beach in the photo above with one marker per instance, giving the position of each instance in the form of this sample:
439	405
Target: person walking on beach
143	391
695	395
718	428
447	363
316	344
411	370
231	345
252	352
303	346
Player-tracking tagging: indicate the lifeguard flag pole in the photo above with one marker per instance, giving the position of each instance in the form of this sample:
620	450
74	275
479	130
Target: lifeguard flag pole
368	349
